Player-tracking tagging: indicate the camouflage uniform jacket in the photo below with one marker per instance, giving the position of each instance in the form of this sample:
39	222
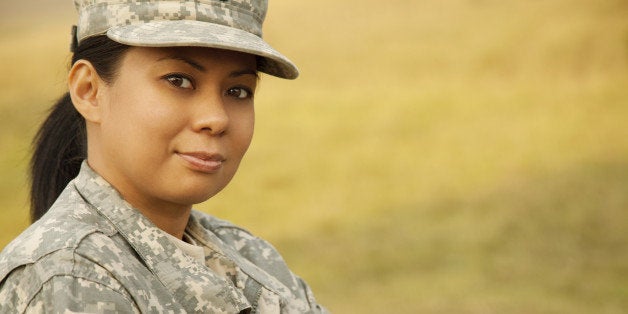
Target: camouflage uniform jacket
92	252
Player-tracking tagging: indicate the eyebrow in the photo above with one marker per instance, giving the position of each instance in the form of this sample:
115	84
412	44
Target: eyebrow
190	62
244	72
201	68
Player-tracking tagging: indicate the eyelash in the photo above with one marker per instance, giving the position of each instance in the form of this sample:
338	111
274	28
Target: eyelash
179	76
249	93
171	77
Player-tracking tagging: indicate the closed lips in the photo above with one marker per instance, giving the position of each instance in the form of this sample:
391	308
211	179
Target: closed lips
202	161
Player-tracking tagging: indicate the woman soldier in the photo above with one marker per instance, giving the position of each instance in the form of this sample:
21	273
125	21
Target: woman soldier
158	115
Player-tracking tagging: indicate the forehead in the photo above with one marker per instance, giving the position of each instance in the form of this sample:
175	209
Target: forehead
207	57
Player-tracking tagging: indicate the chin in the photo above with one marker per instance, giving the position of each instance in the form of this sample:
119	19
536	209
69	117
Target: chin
195	197
197	188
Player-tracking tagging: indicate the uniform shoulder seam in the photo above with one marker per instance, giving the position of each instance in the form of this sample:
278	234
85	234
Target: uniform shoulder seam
83	278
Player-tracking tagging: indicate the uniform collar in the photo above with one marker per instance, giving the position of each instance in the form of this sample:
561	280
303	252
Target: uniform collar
204	230
192	284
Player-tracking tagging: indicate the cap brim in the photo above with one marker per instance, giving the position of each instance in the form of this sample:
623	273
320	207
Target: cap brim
203	34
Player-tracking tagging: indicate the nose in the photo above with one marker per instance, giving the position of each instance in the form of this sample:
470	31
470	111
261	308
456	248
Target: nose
211	116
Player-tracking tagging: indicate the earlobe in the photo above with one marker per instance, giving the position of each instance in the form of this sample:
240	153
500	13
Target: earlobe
84	84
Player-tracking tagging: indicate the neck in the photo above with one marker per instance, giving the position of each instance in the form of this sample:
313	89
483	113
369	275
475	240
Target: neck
173	220
167	216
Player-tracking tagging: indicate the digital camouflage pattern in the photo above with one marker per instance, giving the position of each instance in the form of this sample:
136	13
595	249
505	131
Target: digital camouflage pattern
92	252
226	24
97	16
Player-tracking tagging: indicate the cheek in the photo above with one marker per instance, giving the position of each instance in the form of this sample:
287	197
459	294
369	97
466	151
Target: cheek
243	133
138	122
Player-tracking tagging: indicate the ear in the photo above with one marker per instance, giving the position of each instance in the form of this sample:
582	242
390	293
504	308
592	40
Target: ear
84	85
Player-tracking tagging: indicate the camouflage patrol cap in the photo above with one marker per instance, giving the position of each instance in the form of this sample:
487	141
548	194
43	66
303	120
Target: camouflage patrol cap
225	24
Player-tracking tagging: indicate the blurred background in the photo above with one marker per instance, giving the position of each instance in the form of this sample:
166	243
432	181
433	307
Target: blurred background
461	156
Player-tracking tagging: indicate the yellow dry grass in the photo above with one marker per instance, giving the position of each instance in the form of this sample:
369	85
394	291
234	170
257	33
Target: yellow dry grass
434	157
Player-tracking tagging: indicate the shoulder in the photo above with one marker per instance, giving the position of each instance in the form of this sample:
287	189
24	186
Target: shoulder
65	294
68	222
63	245
64	276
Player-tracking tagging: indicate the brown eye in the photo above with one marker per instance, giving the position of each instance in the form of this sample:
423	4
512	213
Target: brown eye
239	92
180	81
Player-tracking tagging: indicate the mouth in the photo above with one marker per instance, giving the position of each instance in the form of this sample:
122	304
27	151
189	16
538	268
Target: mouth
202	161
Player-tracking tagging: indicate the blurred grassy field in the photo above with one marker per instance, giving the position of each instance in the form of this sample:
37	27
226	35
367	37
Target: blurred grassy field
434	157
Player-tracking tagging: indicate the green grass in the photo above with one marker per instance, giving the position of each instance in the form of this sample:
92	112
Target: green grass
434	156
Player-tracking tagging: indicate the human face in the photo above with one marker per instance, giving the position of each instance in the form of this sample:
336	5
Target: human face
175	124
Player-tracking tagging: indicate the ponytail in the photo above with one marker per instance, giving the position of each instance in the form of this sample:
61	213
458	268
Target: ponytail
60	145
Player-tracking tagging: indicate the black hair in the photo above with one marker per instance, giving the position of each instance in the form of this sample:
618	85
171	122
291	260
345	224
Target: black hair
60	145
